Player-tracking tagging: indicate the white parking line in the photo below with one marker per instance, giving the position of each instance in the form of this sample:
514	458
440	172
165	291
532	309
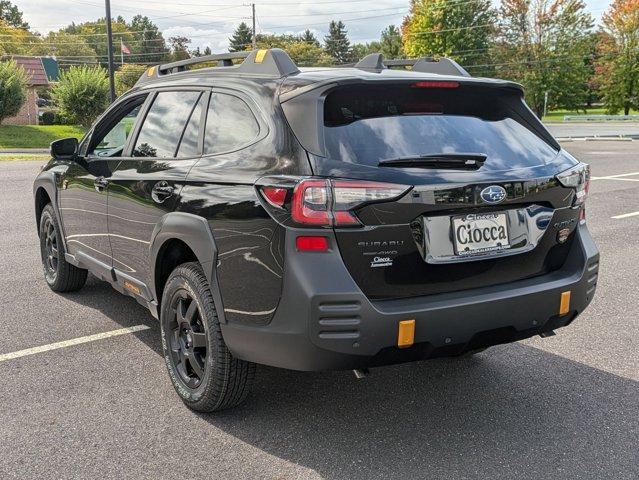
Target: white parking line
626	215
618	177
70	343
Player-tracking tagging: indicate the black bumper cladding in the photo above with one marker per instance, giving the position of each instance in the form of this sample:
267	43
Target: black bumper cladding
325	322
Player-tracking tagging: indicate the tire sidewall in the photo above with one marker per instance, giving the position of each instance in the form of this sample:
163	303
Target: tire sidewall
189	395
47	214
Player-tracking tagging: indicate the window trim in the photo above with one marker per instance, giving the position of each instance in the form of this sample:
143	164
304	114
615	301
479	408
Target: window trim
128	152
262	126
114	112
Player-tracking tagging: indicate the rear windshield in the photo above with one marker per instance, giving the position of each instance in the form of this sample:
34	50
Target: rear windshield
367	124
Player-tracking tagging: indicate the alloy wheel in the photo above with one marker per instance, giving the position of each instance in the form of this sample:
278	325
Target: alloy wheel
187	339
51	254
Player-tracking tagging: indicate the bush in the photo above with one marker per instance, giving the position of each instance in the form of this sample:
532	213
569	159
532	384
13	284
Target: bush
82	93
13	89
47	118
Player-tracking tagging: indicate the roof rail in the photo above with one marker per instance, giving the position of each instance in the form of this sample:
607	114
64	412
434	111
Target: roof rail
273	62
443	66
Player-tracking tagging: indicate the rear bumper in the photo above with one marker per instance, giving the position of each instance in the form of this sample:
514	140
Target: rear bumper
325	322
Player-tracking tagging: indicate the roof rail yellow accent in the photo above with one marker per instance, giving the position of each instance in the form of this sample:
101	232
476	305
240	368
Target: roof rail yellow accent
259	56
151	71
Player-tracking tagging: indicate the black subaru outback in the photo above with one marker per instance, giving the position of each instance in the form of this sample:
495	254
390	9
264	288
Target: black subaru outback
320	218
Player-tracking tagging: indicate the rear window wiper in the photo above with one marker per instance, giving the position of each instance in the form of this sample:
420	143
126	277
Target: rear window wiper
461	161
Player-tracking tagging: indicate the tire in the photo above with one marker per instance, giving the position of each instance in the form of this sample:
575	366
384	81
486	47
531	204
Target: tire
60	275
204	373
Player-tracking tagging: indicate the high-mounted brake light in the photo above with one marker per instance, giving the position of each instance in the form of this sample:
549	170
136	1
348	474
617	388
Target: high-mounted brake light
331	202
434	84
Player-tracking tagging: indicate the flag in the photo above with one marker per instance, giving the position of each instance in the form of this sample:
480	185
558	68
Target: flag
124	48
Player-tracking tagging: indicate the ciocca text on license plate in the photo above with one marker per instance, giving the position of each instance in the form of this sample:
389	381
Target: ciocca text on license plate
478	233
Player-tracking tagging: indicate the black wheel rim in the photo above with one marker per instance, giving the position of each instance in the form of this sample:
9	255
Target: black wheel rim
50	253
187	339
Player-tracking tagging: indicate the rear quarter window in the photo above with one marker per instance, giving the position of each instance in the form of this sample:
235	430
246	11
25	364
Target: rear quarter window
230	124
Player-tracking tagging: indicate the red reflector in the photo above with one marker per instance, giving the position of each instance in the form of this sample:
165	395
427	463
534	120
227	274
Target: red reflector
275	196
312	244
435	84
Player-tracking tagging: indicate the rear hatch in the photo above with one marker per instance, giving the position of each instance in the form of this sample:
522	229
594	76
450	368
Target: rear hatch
477	172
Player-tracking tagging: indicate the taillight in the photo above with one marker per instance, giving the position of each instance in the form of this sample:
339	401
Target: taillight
577	177
276	196
325	202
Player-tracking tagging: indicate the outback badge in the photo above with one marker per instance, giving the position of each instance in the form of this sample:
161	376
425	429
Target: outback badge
493	194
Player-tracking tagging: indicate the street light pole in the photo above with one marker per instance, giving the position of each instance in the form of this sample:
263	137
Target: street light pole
110	49
254	39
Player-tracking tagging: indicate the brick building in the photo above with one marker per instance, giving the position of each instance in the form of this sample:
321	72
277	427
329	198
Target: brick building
37	78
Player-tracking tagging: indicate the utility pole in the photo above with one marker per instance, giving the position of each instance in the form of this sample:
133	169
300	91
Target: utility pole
110	49
254	36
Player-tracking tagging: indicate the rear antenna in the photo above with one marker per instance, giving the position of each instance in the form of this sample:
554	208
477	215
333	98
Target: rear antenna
372	61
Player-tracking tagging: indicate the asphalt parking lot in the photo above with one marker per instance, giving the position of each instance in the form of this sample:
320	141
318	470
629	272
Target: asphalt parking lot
561	407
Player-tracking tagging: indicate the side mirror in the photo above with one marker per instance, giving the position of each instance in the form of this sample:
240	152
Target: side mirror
65	149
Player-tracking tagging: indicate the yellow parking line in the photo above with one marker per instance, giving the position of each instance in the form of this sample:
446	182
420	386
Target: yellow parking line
70	343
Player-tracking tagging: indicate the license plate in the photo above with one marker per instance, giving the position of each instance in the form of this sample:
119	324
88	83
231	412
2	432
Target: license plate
478	233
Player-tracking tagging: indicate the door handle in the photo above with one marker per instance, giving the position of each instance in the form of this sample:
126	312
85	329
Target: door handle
161	191
100	184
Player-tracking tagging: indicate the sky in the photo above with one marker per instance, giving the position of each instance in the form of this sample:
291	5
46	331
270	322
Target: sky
211	22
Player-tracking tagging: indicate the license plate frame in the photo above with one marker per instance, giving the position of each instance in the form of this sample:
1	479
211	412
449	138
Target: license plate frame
482	221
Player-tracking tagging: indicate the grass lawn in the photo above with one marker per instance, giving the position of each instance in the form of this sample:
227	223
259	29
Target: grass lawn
36	136
558	115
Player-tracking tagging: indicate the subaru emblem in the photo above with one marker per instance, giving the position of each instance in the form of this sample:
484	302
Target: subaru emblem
493	194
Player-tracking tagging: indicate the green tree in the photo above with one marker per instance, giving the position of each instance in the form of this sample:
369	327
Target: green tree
16	41
65	47
360	50
241	39
309	37
127	76
543	44
93	34
13	88
336	43
82	93
443	28
179	48
391	42
149	41
207	50
308	55
618	64
12	15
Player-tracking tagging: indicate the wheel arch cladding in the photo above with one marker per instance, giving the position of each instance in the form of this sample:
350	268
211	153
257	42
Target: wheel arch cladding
44	191
178	238
42	199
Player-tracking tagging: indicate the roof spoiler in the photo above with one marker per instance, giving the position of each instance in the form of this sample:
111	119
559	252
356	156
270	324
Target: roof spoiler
272	62
442	66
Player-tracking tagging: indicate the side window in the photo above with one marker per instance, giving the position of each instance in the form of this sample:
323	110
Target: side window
113	135
188	145
230	124
164	124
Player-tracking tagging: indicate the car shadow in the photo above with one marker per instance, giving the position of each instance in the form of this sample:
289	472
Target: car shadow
511	412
